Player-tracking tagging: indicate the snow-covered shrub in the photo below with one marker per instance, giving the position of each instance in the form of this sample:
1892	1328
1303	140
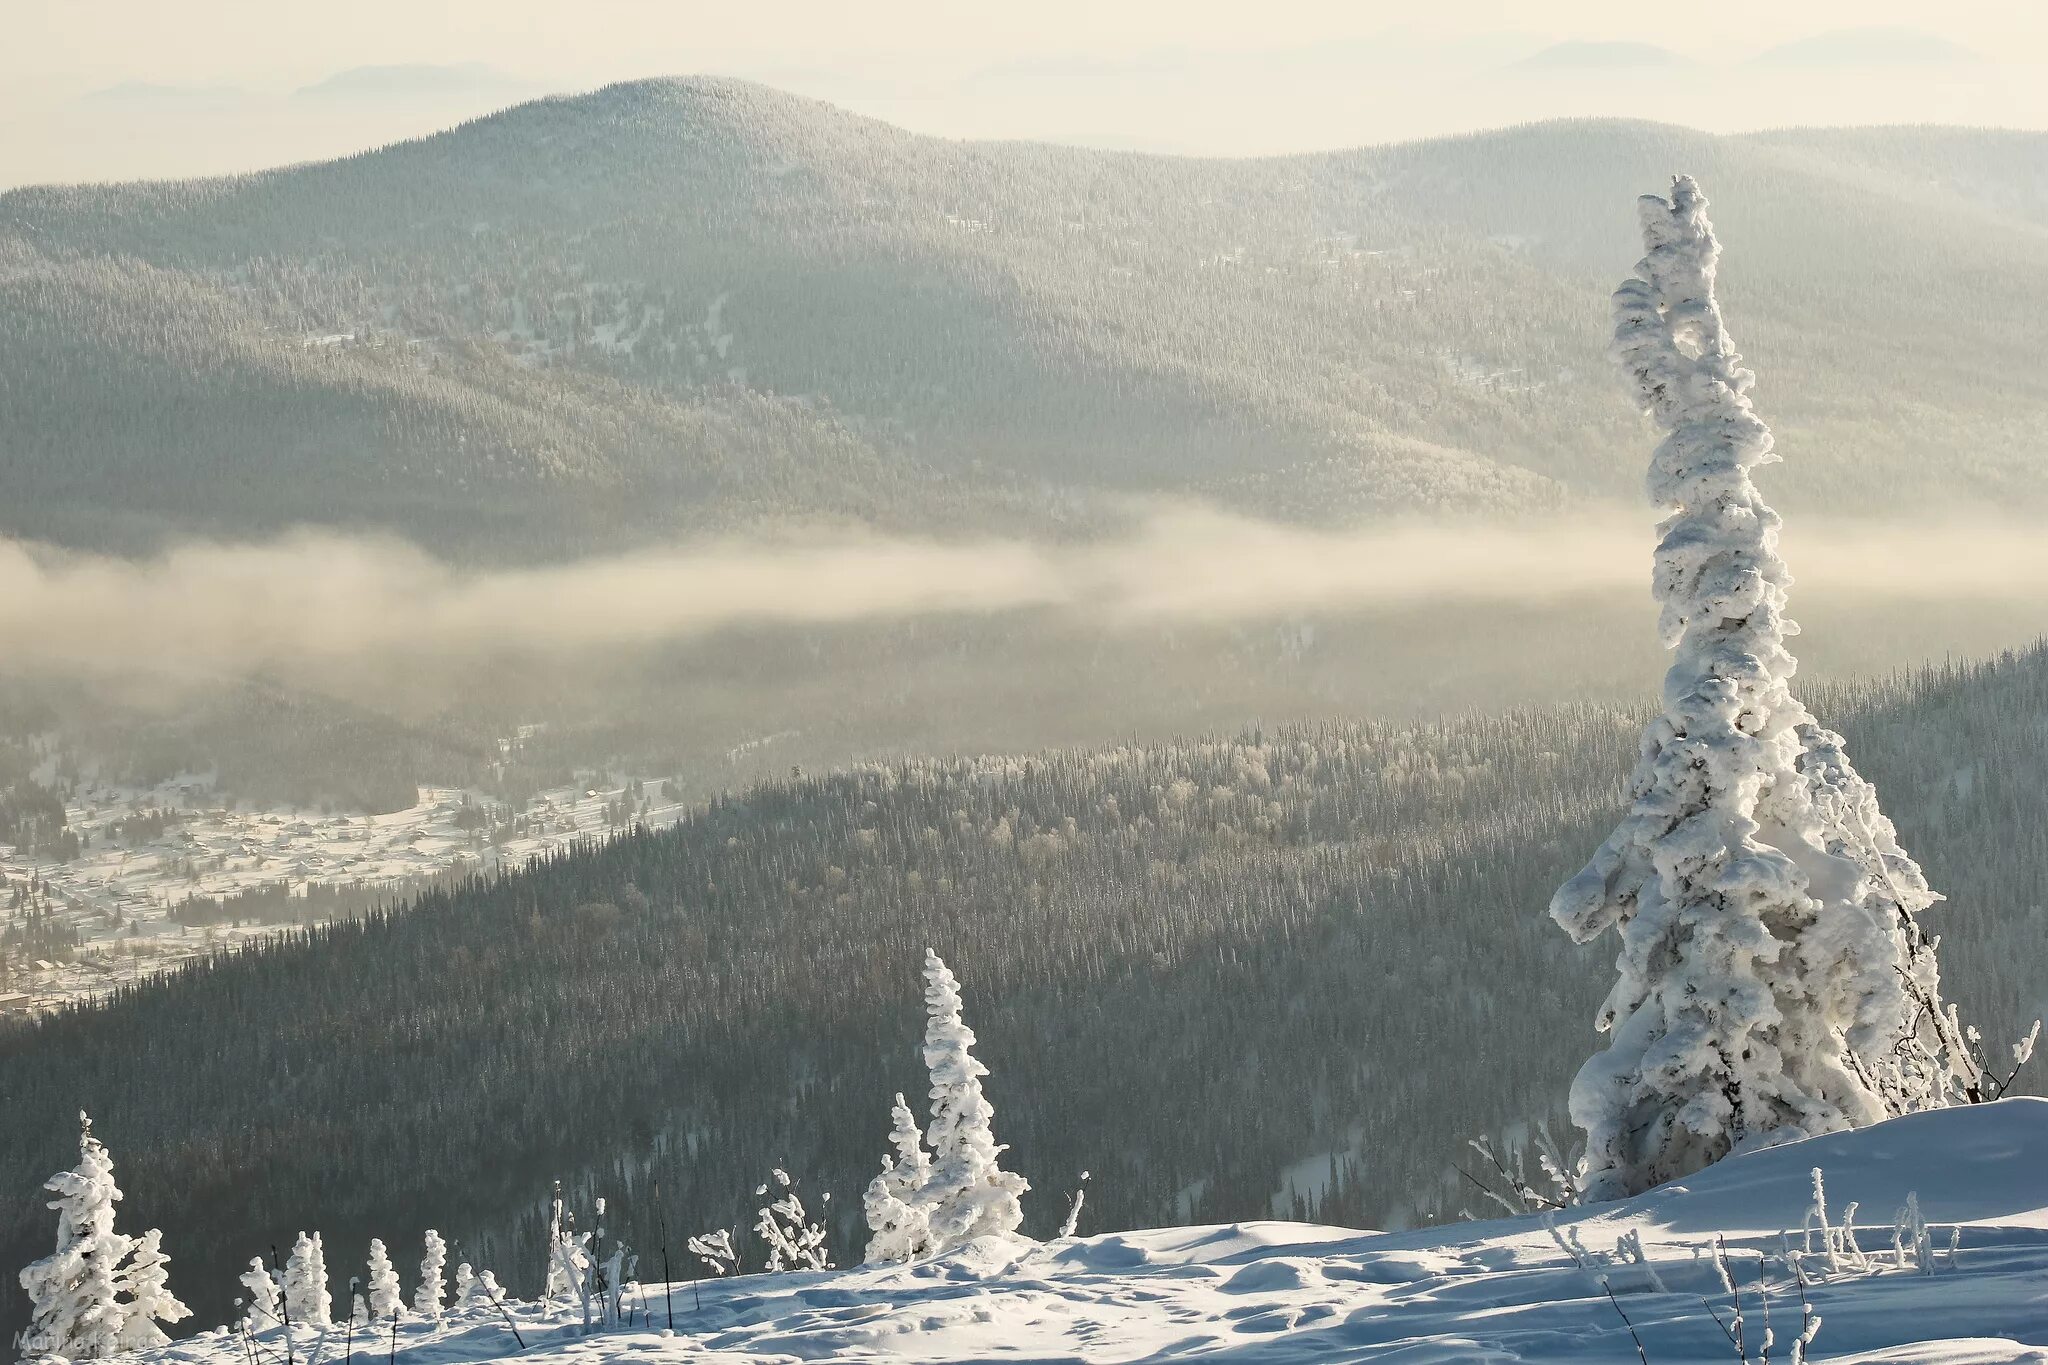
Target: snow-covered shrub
1073	1218
1629	1250
967	1193
604	1277
465	1285
609	1276
1838	1250
1809	1328
566	1266
1774	979
1527	1177
1828	1248
715	1250
1753	1340
794	1241
1911	1238
264	1302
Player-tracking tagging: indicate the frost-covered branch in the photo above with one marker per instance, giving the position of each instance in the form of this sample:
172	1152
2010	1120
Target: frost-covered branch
794	1241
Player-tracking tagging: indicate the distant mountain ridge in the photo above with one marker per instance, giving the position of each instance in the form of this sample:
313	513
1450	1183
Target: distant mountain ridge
696	303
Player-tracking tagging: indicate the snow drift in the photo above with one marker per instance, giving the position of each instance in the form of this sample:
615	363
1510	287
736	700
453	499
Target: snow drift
1502	1293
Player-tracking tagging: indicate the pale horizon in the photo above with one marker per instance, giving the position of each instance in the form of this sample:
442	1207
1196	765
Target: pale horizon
229	86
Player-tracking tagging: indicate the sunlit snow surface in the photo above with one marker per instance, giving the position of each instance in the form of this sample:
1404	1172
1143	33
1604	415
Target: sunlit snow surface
1487	1293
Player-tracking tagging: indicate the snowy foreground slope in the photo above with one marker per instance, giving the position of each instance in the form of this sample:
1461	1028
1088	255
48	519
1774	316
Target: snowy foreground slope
1489	1293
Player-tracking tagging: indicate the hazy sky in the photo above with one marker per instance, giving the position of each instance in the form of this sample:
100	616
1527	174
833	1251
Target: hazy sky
133	87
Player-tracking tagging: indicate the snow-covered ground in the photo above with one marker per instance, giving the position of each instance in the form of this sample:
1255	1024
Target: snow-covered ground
1476	1294
120	891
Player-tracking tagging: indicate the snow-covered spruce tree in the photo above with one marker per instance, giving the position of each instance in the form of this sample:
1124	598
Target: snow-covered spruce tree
382	1284
464	1285
1773	979
72	1293
306	1297
265	1305
897	1220
323	1311
967	1193
426	1300
911	1164
899	1230
146	1296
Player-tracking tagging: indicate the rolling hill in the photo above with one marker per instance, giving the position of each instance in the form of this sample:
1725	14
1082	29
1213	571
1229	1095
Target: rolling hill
684	304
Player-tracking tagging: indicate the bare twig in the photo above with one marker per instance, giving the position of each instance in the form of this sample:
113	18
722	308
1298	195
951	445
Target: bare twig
1641	1354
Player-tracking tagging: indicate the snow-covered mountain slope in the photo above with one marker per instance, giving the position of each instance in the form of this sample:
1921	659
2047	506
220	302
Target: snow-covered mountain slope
1523	1290
693	304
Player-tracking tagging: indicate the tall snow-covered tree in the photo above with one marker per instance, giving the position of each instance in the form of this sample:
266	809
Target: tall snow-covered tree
1773	979
897	1219
426	1300
306	1296
967	1193
382	1284
146	1296
72	1293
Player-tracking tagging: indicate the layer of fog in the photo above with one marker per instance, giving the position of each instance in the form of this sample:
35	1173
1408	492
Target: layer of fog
316	607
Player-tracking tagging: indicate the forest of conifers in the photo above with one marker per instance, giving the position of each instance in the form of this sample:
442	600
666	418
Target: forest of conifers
1284	972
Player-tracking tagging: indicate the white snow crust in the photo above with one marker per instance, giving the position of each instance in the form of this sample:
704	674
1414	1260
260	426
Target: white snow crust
1478	1293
